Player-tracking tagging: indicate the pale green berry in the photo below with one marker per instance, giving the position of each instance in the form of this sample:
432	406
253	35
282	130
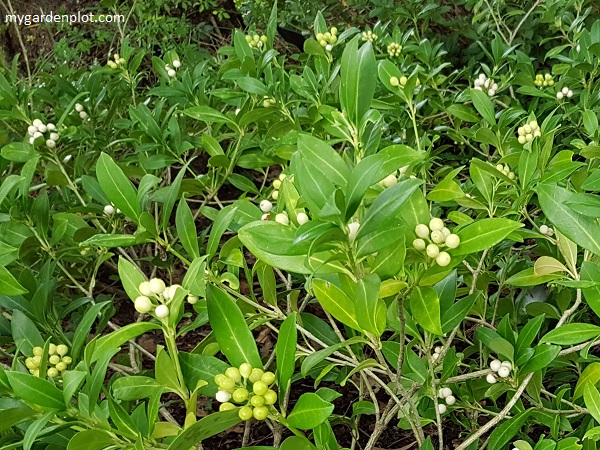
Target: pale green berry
245	370
257	400
52	349
30	364
234	374
192	299
219	379
394	81
157	286
270	397
240	395
144	288
61	366
260	388
52	372
268	377
62	350
67	360
142	304
443	259
38	351
226	406
446	232
453	241
245	413
260	412
54	359
227	384
161	311
437	237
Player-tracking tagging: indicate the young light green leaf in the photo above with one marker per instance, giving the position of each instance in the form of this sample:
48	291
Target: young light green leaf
117	186
309	412
336	302
591	397
131	277
186	229
590	375
9	285
230	329
210	425
370	309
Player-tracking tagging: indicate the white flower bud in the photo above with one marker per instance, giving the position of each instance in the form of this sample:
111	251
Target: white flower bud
302	218
438	349
31	140
161	311
171	72
422	231
50	143
177	64
282	219
495	365
78	107
353	230
565	90
157	286
169	293
329	47
491	378
144	288
442	408
446	392
109	210
37	123
503	372
436	224
54	136
31	130
452	241
522	140
443	259
266	206
223	396
143	304
36	135
192	299
570	93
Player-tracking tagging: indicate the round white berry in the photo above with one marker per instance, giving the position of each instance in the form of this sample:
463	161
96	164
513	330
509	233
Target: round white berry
51	127
442	408
433	250
143	304
37	123
109	210
144	288
438	349
389	181
31	130
223	396
266	206
419	244
452	241
329	47
450	400
177	64
522	140
565	90
192	299
37	134
42	128
171	72
50	143
435	356
437	237
570	93
169	293
161	311
503	372
265	216
495	365
422	231
157	286
302	218
78	107
446	232
443	259
54	136
507	364
83	115
559	95
446	392
491	378
31	140
544	229
436	224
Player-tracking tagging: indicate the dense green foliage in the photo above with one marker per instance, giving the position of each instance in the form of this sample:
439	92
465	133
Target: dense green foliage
411	219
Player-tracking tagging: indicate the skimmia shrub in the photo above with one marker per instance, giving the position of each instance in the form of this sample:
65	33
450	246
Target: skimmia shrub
327	247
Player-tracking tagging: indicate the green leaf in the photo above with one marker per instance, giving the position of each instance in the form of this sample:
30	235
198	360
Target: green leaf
222	222
590	271
285	351
454	315
543	356
495	342
309	412
315	358
528	334
91	440
210	115
117	186
203	429
197	368
484	234
186	229
18	152
591	397
528	277
370	309
425	308
12	416
590	122
9	183
336	302
571	334
9	285
589	376
36	390
171	198
358	80
387	205
135	388
506	431
324	159
484	106
230	329
120	336
111	240
385	236
463	113
35	429
24	333
131	278
582	230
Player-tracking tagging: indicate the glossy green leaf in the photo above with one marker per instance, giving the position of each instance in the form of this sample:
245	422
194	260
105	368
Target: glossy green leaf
336	302
36	391
24	333
425	308
358	80
9	285
131	277
309	412
206	427
285	352
495	342
120	336
186	229
483	104
117	186
543	356
591	397
507	430
229	327
324	159
454	315
571	334
590	375
484	234
201	368
370	309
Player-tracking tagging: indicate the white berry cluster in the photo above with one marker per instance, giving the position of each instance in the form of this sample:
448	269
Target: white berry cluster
233	387
79	108
437	235
327	40
256	41
57	359
395	81
394	49
109	210
564	92
369	36
502	369
446	394
118	61
171	71
528	131
485	84
157	290
266	206
38	128
392	178
506	171
544	80
546	230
